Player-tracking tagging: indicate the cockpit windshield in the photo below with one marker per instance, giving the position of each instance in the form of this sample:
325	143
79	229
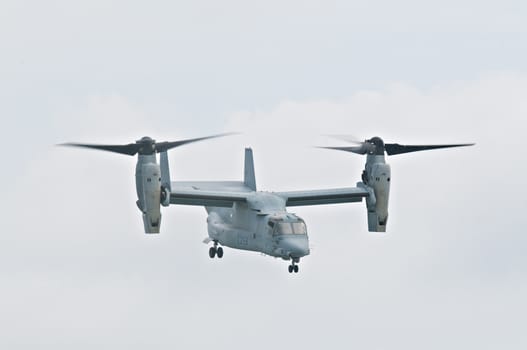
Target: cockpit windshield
288	228
299	228
285	228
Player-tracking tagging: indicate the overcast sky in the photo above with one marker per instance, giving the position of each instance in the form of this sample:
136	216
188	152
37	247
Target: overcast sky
78	271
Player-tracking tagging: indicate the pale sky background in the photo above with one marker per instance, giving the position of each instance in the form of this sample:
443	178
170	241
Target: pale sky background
78	271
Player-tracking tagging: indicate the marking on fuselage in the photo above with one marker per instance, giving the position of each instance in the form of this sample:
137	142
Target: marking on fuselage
243	239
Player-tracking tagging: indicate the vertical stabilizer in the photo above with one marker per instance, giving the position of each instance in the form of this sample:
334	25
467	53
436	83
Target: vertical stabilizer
248	175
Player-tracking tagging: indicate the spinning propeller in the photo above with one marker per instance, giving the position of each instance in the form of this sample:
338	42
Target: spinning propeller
376	146
152	180
144	146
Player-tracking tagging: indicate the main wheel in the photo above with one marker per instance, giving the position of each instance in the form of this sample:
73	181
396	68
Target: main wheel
220	252
295	268
290	268
212	252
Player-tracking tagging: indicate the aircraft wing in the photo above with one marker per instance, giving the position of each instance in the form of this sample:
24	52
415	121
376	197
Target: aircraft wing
208	194
220	186
330	196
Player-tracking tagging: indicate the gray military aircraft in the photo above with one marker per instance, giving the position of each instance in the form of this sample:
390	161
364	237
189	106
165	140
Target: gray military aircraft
241	217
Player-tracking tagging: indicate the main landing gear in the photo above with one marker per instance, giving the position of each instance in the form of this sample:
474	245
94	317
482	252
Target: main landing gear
216	251
293	267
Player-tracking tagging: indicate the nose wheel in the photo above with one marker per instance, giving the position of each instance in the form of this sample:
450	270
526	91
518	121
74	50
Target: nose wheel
293	267
216	251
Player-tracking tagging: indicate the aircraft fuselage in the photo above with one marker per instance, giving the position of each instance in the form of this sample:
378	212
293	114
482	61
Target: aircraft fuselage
262	224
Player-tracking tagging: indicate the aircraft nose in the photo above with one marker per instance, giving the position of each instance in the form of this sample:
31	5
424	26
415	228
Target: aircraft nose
296	246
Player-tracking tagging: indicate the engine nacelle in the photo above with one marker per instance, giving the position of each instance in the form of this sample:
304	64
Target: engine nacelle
148	182
378	176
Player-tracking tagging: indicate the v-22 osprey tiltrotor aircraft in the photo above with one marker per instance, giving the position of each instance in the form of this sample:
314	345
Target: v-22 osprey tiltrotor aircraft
241	217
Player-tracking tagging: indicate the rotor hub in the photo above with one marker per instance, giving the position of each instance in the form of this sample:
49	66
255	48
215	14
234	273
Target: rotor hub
377	146
148	145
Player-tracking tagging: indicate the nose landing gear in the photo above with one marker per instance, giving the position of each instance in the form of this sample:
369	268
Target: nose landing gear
293	267
216	251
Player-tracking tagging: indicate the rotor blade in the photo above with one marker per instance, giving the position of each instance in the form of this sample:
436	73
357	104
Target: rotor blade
395	148
129	149
165	146
347	138
354	149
